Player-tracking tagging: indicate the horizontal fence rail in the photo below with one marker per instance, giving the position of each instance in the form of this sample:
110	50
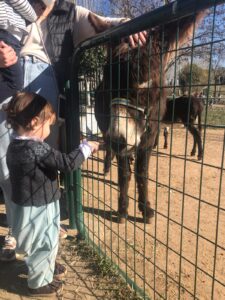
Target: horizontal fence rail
160	222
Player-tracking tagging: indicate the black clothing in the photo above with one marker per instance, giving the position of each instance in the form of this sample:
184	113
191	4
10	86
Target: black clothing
11	78
33	167
59	45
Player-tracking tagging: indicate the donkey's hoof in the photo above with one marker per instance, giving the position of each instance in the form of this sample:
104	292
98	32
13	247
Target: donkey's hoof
106	171
122	217
199	157
147	220
148	216
192	153
121	220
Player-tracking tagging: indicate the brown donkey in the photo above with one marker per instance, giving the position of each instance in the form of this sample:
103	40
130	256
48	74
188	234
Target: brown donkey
186	110
131	100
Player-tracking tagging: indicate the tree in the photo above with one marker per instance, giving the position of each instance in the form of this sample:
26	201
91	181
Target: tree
91	60
207	47
134	8
192	76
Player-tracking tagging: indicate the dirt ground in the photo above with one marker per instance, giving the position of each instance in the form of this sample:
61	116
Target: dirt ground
181	254
85	280
176	256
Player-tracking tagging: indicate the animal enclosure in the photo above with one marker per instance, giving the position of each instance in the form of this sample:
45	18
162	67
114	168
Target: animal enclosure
157	214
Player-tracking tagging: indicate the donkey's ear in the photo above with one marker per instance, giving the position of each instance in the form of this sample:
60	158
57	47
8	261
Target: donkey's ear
98	23
186	31
187	26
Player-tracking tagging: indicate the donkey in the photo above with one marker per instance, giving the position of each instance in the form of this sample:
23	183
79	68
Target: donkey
185	109
131	100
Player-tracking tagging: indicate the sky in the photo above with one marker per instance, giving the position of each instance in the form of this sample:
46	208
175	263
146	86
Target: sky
96	5
103	6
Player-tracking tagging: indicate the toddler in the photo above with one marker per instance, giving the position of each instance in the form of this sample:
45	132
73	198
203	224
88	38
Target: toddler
33	167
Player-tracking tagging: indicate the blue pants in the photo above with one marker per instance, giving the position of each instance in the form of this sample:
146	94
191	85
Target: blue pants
36	230
39	77
4	173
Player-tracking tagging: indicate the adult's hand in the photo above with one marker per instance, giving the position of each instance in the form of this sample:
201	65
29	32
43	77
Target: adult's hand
8	56
138	38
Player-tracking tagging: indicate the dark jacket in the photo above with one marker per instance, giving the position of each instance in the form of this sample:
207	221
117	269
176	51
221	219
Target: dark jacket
59	44
33	167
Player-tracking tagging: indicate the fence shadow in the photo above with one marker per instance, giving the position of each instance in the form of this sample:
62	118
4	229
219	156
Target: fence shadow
90	174
3	220
110	215
13	277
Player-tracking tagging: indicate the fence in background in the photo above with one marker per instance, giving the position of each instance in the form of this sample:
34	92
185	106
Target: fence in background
181	254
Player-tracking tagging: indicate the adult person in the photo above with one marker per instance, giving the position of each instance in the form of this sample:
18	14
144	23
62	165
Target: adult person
46	57
13	16
8	55
50	44
8	58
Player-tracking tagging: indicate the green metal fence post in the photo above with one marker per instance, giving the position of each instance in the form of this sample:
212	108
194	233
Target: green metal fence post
73	180
68	178
78	209
74	141
70	201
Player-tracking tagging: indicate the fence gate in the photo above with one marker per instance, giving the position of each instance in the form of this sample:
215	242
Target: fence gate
181	253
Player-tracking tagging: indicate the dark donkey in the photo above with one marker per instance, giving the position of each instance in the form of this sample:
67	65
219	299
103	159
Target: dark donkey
131	100
185	109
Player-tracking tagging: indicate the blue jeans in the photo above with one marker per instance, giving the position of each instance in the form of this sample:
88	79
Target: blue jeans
39	78
5	185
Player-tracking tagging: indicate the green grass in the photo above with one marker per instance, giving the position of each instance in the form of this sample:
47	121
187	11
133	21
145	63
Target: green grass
215	116
105	274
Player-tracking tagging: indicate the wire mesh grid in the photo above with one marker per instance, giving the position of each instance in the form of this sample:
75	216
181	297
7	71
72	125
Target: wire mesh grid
180	254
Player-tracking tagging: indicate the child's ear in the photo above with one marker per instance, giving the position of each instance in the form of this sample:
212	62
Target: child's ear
34	122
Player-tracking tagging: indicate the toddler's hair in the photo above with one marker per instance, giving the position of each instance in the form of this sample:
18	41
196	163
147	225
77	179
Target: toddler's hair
23	107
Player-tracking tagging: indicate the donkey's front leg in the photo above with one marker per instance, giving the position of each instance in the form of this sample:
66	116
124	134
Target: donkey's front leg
108	160
166	134
142	162
124	175
197	139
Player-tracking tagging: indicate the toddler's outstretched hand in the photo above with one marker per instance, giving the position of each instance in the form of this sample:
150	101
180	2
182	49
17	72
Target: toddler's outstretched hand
88	147
94	146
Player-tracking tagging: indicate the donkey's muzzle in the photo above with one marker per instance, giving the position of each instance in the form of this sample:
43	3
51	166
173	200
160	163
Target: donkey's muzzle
118	144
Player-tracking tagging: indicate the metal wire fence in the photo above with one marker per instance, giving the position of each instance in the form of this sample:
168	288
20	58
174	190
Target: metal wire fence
181	253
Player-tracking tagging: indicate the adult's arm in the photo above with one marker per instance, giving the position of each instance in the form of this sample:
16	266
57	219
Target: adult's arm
85	28
24	8
7	55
